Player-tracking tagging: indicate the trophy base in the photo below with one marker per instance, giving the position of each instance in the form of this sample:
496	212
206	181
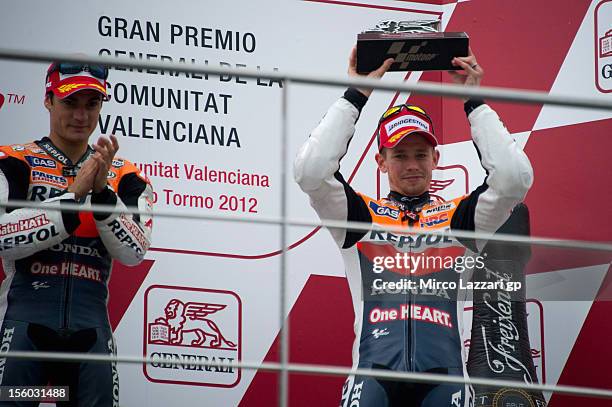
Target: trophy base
429	51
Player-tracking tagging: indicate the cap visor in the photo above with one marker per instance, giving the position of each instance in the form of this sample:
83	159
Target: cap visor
77	83
396	139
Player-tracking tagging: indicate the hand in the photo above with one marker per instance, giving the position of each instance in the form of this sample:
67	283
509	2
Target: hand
104	155
378	73
472	72
85	178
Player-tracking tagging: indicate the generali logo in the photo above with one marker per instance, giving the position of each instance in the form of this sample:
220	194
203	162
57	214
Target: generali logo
185	325
603	46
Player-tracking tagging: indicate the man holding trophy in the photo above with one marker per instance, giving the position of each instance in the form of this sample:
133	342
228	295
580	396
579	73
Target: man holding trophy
408	330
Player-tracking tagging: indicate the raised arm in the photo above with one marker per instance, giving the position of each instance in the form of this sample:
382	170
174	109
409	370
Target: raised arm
317	165
509	172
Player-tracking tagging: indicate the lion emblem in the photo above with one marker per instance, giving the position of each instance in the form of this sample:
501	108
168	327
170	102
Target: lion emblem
190	317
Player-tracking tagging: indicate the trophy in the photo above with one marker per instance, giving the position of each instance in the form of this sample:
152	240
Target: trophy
415	46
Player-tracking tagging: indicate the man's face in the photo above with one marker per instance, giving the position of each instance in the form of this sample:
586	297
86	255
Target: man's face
409	165
75	117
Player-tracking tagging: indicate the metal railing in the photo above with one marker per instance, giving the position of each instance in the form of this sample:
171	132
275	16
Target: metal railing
284	367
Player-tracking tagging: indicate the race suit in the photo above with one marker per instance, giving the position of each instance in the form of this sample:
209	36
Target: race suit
57	267
414	328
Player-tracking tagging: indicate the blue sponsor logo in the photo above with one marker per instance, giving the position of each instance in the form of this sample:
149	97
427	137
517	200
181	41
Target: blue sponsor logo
384	210
39	176
40	162
434	220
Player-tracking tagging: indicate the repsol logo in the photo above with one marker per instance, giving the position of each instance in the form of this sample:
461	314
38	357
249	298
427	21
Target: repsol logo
28	238
136	242
415	242
56	154
42	192
40	162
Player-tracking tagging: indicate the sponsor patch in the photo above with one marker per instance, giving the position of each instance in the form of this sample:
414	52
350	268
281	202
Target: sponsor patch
18	148
406	121
118	163
56	180
384	210
377	333
447	206
40	162
535	319
23	225
77	270
434	220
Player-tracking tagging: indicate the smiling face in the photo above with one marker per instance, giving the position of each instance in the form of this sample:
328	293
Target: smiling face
409	165
73	118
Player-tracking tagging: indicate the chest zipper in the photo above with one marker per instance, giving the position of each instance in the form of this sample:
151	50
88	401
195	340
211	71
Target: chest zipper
69	170
409	324
65	328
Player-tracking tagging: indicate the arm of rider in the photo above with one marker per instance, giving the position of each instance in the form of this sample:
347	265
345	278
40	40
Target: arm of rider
319	158
509	172
377	74
317	165
126	237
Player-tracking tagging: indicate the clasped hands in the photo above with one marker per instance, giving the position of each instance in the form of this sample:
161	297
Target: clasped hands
94	172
